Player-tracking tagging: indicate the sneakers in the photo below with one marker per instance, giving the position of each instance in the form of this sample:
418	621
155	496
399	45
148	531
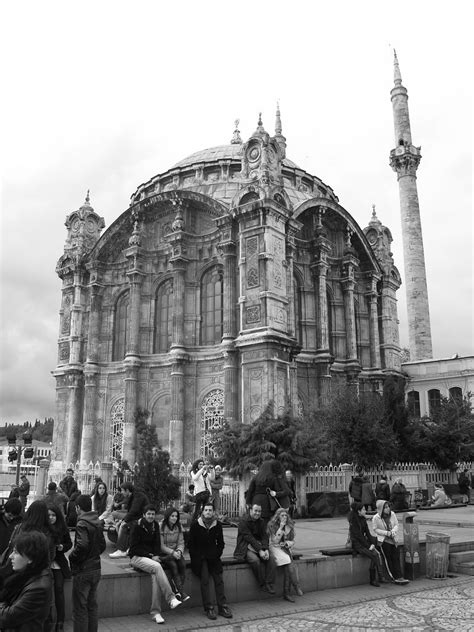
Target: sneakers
158	618
182	596
211	614
225	611
174	603
118	553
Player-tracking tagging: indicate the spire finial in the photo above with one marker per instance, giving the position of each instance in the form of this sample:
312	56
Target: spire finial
278	128
88	199
236	140
373	211
397	77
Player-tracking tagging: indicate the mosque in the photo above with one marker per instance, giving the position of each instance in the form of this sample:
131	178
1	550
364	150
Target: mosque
233	279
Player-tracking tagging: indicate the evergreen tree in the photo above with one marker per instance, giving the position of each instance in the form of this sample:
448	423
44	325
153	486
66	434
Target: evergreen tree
153	471
243	447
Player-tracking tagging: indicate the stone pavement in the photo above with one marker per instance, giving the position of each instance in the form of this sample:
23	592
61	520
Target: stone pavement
423	605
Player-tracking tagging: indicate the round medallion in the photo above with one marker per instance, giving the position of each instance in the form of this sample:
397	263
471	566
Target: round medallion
254	153
90	226
372	237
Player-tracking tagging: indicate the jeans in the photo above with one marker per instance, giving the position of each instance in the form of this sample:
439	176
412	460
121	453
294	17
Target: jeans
123	536
85	614
159	582
393	559
208	570
264	570
58	584
177	568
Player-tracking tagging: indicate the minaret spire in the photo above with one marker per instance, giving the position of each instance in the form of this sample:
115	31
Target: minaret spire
404	160
278	128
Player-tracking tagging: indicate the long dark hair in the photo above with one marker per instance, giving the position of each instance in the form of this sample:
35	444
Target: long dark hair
195	467
59	528
356	506
36	517
266	473
166	519
99	503
33	545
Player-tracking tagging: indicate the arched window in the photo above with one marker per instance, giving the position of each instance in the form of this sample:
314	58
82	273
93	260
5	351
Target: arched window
413	403
434	400
163	317
212	415
121	327
116	430
212	293
297	310
455	394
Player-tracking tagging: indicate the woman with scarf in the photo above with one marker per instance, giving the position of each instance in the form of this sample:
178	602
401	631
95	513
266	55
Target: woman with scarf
363	542
206	544
385	525
172	550
60	565
102	502
281	536
25	598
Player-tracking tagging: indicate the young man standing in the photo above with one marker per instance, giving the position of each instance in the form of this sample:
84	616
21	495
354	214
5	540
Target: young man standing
24	490
144	551
205	544
85	566
252	547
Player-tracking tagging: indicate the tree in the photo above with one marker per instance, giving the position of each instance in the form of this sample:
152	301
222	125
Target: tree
357	428
244	447
153	471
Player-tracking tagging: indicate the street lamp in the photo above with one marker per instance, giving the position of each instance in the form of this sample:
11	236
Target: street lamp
17	450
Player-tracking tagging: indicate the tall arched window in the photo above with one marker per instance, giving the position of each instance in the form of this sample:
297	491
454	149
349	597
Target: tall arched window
332	343
116	430
212	415
413	403
121	327
212	290
434	400
298	311
163	317
455	393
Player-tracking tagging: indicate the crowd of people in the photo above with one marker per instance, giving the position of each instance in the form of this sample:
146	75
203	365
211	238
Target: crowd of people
37	553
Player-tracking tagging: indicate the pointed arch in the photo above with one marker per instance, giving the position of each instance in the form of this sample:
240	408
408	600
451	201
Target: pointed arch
212	306
212	416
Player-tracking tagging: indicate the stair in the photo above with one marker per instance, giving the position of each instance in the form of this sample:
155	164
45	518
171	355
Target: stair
462	562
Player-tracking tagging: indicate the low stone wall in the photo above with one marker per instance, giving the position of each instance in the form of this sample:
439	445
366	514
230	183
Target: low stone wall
128	592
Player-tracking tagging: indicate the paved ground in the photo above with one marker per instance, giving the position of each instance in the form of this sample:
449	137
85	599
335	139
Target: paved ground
422	605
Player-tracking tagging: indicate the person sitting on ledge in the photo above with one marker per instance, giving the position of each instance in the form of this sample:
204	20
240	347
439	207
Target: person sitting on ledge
136	503
398	497
440	498
253	547
363	542
385	525
144	552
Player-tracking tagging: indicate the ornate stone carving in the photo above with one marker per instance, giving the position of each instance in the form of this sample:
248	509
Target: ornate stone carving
253	314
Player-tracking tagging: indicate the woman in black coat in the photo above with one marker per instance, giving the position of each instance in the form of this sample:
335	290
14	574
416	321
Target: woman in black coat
269	489
363	542
25	599
60	564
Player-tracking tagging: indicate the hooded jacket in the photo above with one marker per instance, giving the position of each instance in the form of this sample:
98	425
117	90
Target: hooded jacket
380	526
205	544
88	545
145	539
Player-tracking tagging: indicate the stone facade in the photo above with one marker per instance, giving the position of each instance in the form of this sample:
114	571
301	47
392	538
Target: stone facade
233	279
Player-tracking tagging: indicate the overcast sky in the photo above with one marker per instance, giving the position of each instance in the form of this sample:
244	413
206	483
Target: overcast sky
104	95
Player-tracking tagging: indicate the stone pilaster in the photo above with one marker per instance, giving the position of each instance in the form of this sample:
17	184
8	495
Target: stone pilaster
176	427
231	387
94	324
350	262
88	439
131	402
228	251
76	336
372	299
74	416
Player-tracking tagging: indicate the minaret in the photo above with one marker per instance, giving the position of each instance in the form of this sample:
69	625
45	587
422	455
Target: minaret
404	159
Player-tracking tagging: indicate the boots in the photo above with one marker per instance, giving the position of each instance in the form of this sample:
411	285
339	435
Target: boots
294	580
373	578
286	586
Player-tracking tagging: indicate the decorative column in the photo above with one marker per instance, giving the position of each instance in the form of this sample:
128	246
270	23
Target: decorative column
74	417
132	362
349	264
177	354
88	440
372	299
76	318
176	428
231	388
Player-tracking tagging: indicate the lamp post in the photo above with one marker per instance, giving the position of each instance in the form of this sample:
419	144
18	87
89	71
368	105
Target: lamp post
17	450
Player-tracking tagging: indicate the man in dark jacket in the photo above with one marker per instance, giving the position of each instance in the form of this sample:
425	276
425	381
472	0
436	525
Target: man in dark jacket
252	547
144	552
85	566
53	497
68	484
206	544
136	502
24	490
10	516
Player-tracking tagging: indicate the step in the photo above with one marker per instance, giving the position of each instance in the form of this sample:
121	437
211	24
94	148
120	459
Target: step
462	556
466	568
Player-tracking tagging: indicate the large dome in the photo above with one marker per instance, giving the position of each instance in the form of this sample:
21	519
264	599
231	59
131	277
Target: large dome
221	152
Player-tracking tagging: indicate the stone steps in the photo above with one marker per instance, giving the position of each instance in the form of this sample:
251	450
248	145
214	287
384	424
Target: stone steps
462	562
